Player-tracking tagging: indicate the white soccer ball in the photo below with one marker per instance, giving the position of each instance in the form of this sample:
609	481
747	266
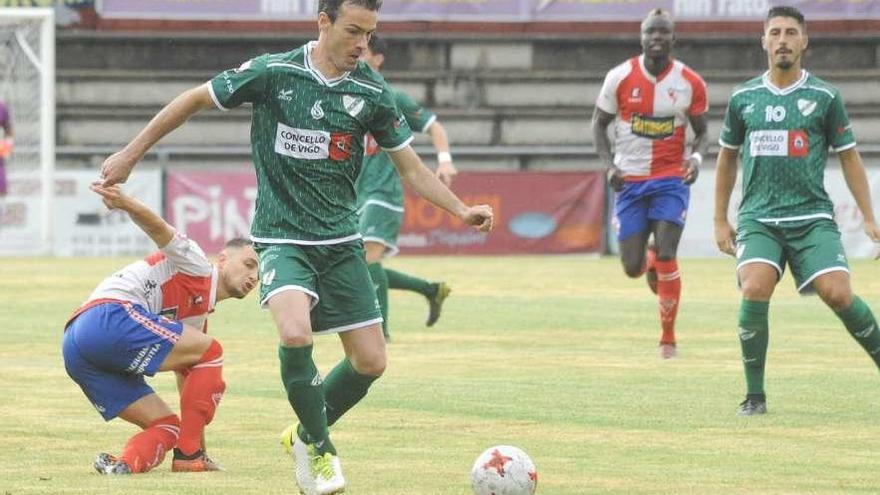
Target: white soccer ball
504	470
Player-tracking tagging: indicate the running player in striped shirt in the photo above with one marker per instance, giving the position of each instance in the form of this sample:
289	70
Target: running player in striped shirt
651	99
150	317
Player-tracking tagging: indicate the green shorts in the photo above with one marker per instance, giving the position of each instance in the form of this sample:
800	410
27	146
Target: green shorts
335	276
380	222
809	248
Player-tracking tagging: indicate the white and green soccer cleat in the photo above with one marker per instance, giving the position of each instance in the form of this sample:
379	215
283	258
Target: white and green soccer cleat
327	473
302	455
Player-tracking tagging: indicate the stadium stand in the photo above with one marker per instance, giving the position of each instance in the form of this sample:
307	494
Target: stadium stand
508	104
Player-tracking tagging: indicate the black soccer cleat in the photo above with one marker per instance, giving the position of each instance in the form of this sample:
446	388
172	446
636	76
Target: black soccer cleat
752	407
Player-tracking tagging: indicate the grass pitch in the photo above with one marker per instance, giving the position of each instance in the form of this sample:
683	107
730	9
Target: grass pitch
556	355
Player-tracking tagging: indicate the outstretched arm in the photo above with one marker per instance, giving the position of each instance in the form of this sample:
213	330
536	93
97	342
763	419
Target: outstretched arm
857	182
152	224
417	175
601	121
446	171
118	166
725	178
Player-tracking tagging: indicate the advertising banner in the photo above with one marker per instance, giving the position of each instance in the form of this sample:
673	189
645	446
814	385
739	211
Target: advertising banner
82	225
698	239
211	207
491	10
535	212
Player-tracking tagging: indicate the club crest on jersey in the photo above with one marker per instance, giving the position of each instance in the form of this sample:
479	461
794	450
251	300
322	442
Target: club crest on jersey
352	105
635	94
806	107
317	111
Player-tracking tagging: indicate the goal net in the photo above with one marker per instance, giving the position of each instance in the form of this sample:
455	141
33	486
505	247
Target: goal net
27	89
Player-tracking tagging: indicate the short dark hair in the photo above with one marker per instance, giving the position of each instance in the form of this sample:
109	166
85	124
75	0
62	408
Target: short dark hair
378	45
786	11
331	7
237	243
658	12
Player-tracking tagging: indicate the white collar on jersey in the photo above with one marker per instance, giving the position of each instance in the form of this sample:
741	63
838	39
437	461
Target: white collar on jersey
786	90
212	299
317	72
650	76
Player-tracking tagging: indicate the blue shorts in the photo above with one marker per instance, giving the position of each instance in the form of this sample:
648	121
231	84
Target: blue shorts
110	347
640	203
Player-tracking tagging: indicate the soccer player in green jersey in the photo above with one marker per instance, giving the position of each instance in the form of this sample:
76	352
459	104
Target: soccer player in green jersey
380	199
782	124
311	109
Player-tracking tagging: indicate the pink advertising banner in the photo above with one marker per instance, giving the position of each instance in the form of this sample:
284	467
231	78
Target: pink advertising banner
536	212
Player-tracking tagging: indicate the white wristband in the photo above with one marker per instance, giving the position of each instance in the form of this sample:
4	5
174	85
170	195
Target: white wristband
698	157
443	157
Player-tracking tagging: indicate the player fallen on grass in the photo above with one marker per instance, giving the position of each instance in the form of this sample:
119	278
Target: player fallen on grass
312	108
651	99
781	124
148	317
380	199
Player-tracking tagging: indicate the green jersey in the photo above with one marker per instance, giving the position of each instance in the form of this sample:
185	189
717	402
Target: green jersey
379	180
785	135
307	142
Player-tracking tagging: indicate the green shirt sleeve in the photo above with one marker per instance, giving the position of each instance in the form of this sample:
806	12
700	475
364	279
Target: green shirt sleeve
733	130
387	124
418	117
245	84
838	130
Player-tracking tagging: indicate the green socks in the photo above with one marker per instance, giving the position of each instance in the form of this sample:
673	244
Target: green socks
753	336
343	388
398	280
861	324
305	392
380	282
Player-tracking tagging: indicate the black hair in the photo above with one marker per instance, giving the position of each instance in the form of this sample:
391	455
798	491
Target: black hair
331	7
786	11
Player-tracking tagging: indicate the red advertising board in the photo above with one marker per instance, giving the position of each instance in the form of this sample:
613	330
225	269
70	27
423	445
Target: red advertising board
535	212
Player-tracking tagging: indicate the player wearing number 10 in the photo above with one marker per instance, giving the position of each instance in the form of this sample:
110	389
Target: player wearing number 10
782	124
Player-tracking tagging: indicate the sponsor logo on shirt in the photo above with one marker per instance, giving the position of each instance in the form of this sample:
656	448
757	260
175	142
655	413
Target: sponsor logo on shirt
317	111
793	143
653	127
305	144
285	94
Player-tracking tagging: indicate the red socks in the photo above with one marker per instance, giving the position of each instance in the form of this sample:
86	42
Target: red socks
146	450
200	397
668	294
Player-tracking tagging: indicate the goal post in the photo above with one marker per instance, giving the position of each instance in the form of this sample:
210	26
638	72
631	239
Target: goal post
27	87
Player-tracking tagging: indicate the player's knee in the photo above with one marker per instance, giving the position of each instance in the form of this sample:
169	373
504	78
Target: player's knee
373	364
633	269
837	298
756	290
294	334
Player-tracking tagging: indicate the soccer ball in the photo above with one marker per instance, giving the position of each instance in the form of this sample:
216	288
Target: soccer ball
504	470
